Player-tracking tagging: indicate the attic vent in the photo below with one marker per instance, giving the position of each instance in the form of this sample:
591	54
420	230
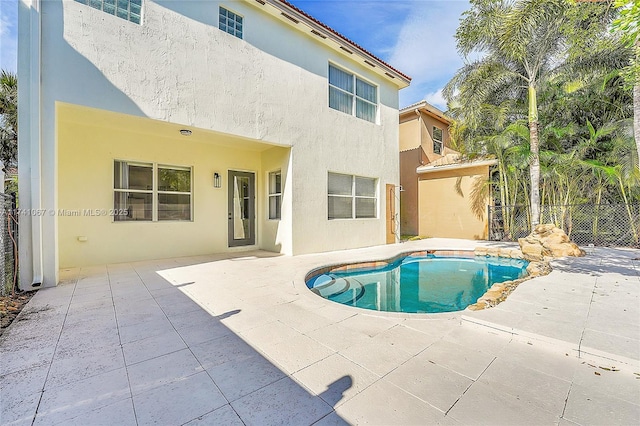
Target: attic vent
289	17
322	36
346	50
389	75
261	2
369	63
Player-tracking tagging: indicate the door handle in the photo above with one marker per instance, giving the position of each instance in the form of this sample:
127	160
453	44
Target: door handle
229	215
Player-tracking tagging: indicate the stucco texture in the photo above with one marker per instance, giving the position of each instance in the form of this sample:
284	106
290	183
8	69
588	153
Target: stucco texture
444	212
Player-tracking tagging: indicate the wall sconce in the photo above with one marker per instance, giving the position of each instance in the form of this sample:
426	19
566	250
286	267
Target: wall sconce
217	180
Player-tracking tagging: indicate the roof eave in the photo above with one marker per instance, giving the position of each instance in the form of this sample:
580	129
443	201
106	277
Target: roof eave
293	16
455	166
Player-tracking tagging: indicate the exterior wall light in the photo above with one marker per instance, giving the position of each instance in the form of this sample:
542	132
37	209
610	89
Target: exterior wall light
185	132
217	180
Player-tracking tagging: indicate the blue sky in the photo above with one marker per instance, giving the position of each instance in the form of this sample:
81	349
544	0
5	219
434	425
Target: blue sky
414	36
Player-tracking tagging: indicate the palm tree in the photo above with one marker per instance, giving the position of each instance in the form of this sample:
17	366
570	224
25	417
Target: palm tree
8	117
629	25
524	44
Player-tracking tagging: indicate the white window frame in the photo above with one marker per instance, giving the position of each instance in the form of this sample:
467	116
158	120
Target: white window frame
101	6
354	197
277	195
235	30
437	142
353	95
154	191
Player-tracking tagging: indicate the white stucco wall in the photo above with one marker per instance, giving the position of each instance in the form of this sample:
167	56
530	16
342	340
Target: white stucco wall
179	67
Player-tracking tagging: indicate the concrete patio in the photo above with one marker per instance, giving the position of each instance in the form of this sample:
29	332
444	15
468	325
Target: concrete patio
238	339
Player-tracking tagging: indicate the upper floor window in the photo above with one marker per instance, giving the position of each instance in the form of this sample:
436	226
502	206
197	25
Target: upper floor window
350	94
151	192
131	10
275	195
230	22
351	197
438	146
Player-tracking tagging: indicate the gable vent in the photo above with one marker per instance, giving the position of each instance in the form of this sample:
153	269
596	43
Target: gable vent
369	63
322	36
346	50
289	17
389	75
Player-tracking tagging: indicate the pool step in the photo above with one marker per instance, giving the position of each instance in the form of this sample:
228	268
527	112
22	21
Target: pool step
341	290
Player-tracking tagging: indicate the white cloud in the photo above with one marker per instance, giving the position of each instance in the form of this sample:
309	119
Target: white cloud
426	47
436	99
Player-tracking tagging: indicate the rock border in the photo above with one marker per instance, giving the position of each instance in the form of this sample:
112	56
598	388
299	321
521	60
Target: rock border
499	292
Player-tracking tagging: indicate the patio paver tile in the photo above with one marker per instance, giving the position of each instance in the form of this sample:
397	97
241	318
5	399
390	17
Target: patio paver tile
239	378
339	337
71	364
151	347
461	359
377	357
369	324
385	404
544	391
120	413
336	379
221	416
297	352
164	369
436	385
282	402
586	406
21	392
178	402
222	350
481	404
540	358
76	399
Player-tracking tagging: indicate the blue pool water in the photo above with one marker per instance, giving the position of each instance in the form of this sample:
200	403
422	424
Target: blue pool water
418	283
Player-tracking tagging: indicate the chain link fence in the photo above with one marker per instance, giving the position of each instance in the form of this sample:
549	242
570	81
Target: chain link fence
9	244
597	224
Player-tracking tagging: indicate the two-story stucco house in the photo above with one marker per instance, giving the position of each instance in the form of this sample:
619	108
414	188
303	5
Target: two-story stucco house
153	129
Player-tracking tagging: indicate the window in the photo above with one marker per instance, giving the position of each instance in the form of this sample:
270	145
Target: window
229	22
437	140
351	197
351	95
275	194
131	10
151	192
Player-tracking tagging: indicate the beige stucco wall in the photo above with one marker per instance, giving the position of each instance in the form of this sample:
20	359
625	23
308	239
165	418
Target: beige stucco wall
88	143
409	161
410	131
443	212
275	234
427	122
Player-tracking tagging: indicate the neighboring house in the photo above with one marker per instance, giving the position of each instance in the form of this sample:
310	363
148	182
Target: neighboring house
437	186
154	129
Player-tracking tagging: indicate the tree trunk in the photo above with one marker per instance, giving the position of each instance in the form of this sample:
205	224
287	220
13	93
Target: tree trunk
534	161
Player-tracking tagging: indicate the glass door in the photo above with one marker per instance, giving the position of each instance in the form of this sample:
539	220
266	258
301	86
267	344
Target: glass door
242	218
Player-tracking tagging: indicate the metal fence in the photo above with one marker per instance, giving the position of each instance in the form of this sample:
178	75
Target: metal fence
597	224
8	243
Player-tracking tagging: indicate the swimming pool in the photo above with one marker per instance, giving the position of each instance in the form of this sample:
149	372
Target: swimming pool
415	283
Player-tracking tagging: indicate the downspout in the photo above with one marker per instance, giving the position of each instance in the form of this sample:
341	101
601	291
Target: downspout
35	110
